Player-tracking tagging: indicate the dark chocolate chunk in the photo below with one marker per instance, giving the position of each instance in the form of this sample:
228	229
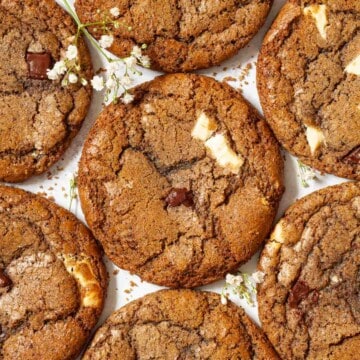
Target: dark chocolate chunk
4	280
179	197
38	65
298	293
353	157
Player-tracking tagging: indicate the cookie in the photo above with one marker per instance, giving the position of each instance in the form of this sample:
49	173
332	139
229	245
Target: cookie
182	185
52	279
179	324
38	117
308	77
309	302
180	35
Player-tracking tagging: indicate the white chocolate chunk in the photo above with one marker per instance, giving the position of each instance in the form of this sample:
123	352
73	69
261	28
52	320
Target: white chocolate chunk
224	155
354	66
318	12
315	138
204	128
278	233
82	271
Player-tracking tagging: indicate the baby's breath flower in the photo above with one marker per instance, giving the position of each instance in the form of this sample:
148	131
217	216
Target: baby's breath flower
130	62
115	12
136	52
127	98
145	61
71	52
52	74
306	174
60	67
110	83
258	277
125	81
84	82
234	280
73	79
106	41
113	67
97	83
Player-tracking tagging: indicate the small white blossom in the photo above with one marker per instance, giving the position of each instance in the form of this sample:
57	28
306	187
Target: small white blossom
113	67
115	12
84	82
258	277
234	280
60	67
125	80
127	98
145	61
52	74
110	83
97	83
130	62
73	79
224	299
136	52
71	52
106	41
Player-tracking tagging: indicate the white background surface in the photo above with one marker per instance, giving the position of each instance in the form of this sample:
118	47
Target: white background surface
58	186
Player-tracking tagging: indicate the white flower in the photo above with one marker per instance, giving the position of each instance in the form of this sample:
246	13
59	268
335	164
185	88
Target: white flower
125	80
234	280
52	74
71	52
130	62
127	98
113	67
115	12
106	41
84	82
224	299
258	277
60	67
97	83
145	61
73	79
136	52
110	83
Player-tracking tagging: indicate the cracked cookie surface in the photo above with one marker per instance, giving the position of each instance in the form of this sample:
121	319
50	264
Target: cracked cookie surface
52	279
38	117
309	83
181	186
309	302
181	35
180	324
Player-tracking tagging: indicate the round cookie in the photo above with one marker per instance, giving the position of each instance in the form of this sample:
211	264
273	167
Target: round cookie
180	324
309	302
180	35
308	77
52	279
38	117
182	185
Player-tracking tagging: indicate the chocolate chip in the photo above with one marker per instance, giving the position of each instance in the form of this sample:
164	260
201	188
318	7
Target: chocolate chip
353	157
4	280
38	65
298	293
179	197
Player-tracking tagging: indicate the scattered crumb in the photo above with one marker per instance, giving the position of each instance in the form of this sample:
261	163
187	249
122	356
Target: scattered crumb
133	284
115	272
228	79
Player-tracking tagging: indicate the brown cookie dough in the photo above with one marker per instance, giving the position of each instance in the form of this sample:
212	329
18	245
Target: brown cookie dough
309	302
38	117
309	83
180	324
180	35
52	279
181	186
